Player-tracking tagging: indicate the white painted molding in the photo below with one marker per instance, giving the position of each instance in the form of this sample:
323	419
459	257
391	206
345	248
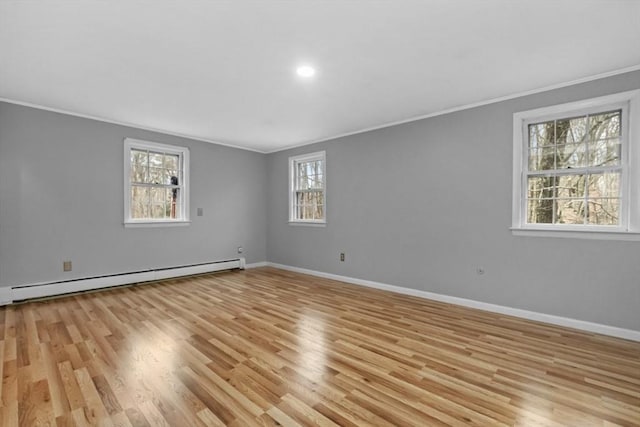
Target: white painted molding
464	107
124	123
5	296
331	137
614	331
256	265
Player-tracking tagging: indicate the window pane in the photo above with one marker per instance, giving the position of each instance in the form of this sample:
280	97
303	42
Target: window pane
139	157
171	161
541	134
605	152
309	205
302	170
571	156
604	211
306	182
304	212
571	131
541	158
138	173
310	198
139	204
605	125
171	177
604	185
314	182
138	167
571	186
541	187
540	211
309	175
174	199
156	160
570	211
160	202
156	175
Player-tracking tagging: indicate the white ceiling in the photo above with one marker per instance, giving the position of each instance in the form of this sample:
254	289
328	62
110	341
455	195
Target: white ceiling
224	71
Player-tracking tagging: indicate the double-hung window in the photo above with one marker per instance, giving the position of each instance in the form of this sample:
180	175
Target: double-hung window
307	188
156	183
576	167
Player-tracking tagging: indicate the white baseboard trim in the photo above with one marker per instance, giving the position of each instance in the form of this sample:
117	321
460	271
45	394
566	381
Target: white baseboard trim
40	290
256	265
614	331
6	296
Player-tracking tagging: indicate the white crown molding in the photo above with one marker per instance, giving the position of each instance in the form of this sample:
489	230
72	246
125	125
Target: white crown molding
123	123
337	136
465	107
614	331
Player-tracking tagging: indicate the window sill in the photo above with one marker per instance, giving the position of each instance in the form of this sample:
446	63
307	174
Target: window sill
308	223
148	224
577	234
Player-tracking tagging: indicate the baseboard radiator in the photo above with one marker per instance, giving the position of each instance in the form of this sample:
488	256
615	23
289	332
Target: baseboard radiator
40	290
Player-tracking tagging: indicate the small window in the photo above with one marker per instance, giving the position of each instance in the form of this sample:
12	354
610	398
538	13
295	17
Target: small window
156	177
573	169
307	188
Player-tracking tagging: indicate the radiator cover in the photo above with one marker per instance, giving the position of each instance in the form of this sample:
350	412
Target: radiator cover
39	290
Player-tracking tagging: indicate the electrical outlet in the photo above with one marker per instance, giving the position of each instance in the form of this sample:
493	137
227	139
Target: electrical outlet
342	256
199	211
66	265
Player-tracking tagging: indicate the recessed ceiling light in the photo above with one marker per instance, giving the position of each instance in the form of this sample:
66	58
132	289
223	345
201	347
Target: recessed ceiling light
305	71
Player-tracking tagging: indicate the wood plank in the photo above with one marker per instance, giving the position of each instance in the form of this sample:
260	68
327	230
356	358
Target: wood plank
268	347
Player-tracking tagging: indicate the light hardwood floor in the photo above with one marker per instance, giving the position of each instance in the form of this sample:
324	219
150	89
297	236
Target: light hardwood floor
270	347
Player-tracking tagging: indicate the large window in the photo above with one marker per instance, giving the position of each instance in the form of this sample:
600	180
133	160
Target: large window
307	188
156	178
575	166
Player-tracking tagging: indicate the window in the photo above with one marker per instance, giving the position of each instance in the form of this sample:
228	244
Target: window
156	183
576	166
307	188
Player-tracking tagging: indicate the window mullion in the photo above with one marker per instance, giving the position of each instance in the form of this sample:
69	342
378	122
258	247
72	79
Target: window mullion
576	171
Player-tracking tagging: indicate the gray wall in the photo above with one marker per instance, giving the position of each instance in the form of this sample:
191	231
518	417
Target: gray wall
422	205
61	198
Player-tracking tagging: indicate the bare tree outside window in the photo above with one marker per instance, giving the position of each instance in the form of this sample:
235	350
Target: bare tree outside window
574	170
156	187
308	188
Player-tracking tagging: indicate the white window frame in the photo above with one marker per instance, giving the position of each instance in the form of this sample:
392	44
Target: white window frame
629	228
293	161
182	209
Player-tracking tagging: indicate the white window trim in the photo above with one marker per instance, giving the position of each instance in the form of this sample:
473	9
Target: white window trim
183	152
319	155
629	229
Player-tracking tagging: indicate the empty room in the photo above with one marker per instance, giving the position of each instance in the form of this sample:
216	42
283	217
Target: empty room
320	213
